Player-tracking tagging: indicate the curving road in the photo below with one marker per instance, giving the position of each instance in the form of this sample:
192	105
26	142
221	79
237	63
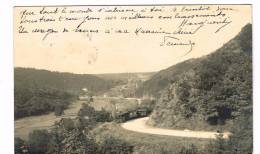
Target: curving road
139	125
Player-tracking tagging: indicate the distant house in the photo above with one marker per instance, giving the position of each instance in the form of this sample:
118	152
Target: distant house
85	89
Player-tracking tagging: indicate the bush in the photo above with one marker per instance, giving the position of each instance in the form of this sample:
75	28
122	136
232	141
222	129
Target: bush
67	124
241	140
219	146
59	109
103	116
20	146
90	114
189	150
115	146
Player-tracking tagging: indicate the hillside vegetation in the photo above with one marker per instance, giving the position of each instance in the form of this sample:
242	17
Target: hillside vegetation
206	92
125	77
66	81
38	92
163	78
30	101
160	80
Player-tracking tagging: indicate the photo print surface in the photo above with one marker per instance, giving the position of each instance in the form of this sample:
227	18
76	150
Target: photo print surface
140	79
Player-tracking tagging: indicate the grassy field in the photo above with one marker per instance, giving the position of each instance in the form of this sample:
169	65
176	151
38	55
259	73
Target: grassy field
26	125
147	143
110	104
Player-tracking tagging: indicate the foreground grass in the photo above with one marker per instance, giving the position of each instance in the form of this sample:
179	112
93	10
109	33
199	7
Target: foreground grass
26	125
147	143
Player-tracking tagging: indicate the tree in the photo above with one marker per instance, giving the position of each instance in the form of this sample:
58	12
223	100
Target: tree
67	137
38	141
59	109
103	116
241	140
87	117
86	111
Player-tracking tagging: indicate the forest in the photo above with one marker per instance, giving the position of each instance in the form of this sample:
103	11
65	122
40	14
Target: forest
39	92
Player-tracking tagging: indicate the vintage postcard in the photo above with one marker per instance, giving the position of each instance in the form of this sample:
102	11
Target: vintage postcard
141	79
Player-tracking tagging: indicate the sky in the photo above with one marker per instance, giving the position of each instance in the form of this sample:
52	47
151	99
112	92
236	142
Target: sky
82	53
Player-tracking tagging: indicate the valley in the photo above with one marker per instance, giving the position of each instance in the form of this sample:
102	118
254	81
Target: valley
196	105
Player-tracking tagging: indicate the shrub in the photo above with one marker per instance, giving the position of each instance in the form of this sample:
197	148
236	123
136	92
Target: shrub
192	149
115	146
241	140
20	146
103	116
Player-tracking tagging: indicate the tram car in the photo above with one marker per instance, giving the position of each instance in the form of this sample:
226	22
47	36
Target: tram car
128	115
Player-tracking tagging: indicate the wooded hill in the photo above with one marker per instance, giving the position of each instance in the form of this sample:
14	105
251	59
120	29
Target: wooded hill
208	91
40	91
67	81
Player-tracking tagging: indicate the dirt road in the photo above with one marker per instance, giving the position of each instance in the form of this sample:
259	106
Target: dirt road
139	125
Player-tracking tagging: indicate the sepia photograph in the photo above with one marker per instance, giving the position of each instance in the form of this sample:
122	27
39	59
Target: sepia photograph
133	79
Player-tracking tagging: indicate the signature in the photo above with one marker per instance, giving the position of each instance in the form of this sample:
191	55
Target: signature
174	41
